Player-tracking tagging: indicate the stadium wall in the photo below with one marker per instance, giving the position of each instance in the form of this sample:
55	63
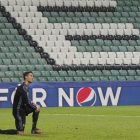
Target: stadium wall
65	94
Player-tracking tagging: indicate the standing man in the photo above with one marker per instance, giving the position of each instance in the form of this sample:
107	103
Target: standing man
22	106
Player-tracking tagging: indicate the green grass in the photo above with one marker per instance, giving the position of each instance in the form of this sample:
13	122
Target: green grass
79	123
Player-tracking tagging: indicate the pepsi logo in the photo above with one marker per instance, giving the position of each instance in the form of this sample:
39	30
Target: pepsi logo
86	96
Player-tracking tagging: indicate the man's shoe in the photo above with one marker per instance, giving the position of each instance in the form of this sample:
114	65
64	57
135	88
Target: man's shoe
36	131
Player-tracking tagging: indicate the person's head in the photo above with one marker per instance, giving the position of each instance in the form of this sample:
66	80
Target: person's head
28	77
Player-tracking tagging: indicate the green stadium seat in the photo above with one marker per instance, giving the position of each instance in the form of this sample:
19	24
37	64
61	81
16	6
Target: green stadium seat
8	26
19	55
119	9
25	43
132	14
130	78
3	37
117	14
106	73
101	14
95	78
76	20
103	78
87	79
15	80
134	9
16	43
112	78
54	14
81	49
97	73
10	55
100	42
92	20
45	73
1	44
80	73
2	26
94	14
30	49
60	19
121	78
137	78
39	67
48	68
123	72
127	9
131	72
3	67
7	61
68	19
78	79
116	20
128	3
122	48
33	61
137	48
6	80
21	67
19	37
36	55
51	79
132	43
89	73
130	48
8	43
109	14
18	74
46	14
5	31
2	56
135	3
75	43
100	20
62	14
60	79
120	3
9	74
14	32
35	79
115	73
108	19
36	73
89	49
42	61
97	48
71	73
11	37
54	74
125	14
4	49
83	43
70	14
16	61
131	20
124	43
106	49
27	55
108	43
78	14
114	48
3	20
68	78
52	19
91	42
86	14
30	67
84	20
25	61
63	73
42	79
2	74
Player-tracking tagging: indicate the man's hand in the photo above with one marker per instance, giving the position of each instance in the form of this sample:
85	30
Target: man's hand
33	103
38	108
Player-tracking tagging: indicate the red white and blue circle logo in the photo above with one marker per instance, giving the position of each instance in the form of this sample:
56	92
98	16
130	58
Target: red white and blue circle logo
86	96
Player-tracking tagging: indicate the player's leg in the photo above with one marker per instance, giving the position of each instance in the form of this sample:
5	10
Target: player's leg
20	124
35	117
9	131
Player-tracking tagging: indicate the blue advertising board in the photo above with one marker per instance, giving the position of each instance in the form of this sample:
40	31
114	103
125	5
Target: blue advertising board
59	94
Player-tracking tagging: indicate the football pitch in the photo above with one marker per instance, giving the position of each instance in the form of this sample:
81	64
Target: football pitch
79	123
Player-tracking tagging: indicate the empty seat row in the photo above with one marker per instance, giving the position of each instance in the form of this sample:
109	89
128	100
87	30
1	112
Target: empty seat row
59	3
11	37
94	20
77	26
59	49
31	19
95	54
100	42
12	55
91	14
98	61
108	48
81	31
30	61
6	25
127	3
55	79
14	43
26	14
26	68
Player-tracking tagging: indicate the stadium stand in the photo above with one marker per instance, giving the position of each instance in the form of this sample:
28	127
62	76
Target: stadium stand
70	40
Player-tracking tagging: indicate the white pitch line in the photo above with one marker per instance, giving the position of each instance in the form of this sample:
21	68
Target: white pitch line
85	115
